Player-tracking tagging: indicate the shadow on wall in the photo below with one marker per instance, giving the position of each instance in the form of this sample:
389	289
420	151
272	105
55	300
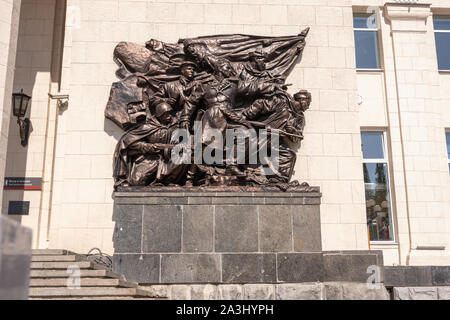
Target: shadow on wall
113	131
33	74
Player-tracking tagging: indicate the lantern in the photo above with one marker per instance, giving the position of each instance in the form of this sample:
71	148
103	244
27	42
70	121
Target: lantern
20	105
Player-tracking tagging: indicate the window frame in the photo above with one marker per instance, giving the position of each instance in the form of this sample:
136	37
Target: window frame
447	17
386	161
377	31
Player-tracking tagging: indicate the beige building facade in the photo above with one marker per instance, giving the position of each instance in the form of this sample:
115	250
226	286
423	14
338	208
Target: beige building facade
52	47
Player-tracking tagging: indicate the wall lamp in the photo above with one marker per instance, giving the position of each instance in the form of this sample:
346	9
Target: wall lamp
20	105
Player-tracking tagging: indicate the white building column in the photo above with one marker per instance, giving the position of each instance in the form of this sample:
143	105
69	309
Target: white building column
9	29
421	131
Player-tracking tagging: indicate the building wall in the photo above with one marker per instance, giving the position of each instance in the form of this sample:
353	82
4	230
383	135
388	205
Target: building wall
82	202
408	98
9	26
33	74
422	131
444	79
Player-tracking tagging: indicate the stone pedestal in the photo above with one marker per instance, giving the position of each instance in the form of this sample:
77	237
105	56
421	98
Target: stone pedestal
15	260
228	237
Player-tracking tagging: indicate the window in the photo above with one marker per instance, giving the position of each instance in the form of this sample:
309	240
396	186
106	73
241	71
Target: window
442	36
366	41
447	137
377	188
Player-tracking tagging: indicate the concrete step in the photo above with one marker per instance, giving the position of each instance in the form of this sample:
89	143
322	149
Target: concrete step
84	282
84	273
47	252
50	279
56	258
64	265
87	292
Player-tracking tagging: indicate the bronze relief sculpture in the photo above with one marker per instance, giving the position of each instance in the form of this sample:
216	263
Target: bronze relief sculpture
210	113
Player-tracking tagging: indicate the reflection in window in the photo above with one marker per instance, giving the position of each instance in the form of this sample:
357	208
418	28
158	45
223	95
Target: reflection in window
442	37
372	145
366	42
377	190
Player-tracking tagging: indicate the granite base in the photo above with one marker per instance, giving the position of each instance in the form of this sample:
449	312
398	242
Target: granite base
228	238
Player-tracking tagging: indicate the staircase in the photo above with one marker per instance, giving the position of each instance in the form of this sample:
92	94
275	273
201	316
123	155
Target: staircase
53	275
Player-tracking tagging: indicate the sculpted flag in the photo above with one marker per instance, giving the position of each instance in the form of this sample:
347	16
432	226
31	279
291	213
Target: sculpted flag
281	52
157	63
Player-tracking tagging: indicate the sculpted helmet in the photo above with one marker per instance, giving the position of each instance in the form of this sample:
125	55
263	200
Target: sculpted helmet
162	108
304	93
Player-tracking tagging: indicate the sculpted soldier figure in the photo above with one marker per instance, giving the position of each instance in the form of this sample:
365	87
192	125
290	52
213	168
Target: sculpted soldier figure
281	112
219	97
174	93
255	69
296	119
286	115
200	53
142	156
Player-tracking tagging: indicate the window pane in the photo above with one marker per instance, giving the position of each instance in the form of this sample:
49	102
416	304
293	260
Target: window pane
378	202
443	50
366	46
372	145
441	23
364	22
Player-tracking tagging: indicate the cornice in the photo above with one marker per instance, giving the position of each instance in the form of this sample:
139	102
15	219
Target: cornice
406	16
